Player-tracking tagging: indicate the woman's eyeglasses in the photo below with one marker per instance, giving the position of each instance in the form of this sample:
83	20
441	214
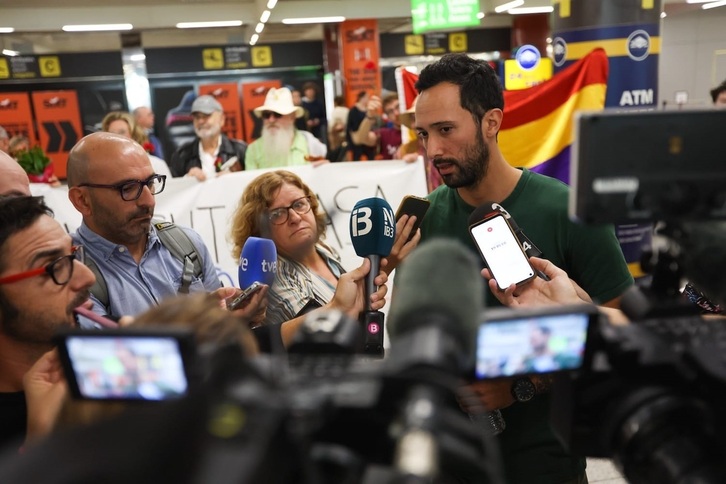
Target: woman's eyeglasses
279	216
60	270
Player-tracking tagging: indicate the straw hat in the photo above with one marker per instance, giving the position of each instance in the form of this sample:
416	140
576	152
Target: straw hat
280	102
406	118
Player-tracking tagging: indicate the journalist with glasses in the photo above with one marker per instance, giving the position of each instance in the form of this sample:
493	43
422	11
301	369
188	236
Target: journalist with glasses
42	280
278	205
281	143
113	185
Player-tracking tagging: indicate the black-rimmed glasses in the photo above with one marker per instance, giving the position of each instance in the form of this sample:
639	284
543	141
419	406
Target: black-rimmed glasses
130	190
279	216
60	270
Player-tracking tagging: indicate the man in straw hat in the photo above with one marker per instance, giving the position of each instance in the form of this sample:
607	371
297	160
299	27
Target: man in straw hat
281	144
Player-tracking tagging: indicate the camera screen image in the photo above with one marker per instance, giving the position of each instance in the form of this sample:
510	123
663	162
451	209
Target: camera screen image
532	344
126	367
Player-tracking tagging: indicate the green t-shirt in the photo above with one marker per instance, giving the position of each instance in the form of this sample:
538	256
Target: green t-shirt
255	157
590	255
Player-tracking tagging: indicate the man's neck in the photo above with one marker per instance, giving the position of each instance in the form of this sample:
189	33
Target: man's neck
497	184
15	361
210	144
136	248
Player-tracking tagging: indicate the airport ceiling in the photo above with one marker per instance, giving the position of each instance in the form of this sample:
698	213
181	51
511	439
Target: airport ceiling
38	23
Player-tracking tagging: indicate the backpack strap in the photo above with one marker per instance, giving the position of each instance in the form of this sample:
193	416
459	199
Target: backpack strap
181	246
99	288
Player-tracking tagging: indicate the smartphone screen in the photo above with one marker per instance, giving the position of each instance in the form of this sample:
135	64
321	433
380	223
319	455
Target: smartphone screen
501	251
124	367
531	344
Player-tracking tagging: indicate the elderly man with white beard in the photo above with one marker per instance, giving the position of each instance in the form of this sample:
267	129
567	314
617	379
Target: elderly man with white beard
211	153
281	144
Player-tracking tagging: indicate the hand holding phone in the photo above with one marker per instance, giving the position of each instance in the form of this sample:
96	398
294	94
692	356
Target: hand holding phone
244	297
502	252
412	205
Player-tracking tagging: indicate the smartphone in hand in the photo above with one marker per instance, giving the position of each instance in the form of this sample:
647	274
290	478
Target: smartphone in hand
239	301
502	252
412	205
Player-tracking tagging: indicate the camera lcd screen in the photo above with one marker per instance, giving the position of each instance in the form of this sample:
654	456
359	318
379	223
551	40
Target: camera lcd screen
531	344
121	367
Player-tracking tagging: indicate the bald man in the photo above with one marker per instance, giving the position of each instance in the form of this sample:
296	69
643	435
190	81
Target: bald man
13	179
113	185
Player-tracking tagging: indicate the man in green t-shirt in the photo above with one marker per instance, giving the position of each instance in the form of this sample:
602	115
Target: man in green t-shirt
459	112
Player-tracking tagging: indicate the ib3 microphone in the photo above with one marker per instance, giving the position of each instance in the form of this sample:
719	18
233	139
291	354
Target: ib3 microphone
372	231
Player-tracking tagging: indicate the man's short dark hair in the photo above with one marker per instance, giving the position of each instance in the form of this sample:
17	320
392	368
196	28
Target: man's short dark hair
716	91
479	86
310	85
16	214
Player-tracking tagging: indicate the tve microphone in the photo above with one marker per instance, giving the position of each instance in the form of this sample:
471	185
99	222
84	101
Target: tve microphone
372	231
257	262
488	207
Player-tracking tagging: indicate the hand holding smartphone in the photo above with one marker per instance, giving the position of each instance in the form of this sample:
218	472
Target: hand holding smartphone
412	205
502	252
240	300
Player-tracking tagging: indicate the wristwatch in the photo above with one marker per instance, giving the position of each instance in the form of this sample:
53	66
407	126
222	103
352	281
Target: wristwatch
523	389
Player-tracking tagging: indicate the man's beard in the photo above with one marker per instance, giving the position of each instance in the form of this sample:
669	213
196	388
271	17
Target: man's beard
208	133
472	169
276	144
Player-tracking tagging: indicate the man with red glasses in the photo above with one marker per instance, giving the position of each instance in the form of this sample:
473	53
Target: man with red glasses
113	185
211	153
42	279
281	144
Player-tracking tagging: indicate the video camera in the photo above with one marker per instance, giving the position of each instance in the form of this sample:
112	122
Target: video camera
650	394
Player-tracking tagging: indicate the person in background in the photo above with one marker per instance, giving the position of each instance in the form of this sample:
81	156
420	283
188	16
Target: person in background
278	205
301	123
356	115
338	125
4	140
122	123
13	179
387	138
317	119
718	95
144	118
17	144
281	144
211	153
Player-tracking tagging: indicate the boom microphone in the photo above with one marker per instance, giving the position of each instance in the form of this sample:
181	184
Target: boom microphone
435	314
491	207
257	262
372	231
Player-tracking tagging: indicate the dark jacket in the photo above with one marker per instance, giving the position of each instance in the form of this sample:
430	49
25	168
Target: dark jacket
187	156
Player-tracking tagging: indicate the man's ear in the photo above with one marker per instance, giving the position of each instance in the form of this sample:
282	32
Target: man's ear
80	199
491	123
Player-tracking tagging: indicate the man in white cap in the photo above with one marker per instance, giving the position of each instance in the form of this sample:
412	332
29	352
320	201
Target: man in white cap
211	153
281	144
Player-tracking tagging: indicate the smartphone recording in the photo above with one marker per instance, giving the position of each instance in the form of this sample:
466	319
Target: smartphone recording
126	365
512	343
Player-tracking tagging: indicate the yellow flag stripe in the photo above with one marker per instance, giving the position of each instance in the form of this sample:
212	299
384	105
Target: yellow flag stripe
535	142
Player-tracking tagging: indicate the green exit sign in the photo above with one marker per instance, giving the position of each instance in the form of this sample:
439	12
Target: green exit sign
430	15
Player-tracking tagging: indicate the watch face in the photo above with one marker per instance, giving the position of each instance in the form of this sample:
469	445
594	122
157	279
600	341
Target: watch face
523	389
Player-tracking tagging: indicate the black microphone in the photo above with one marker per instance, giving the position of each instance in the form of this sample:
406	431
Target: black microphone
433	323
372	231
489	207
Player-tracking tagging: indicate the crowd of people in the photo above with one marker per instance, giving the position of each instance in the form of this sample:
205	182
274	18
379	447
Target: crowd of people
121	264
